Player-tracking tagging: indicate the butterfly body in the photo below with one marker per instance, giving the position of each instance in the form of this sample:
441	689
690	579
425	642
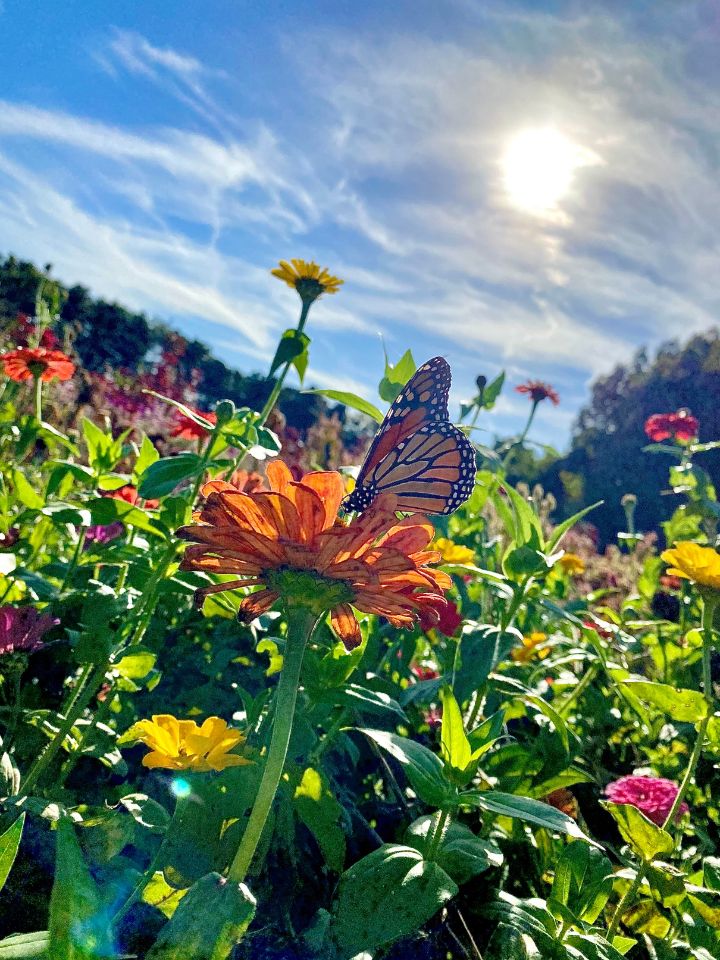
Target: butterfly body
417	453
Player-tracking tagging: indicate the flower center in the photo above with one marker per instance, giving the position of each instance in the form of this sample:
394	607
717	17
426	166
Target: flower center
308	288
304	588
37	367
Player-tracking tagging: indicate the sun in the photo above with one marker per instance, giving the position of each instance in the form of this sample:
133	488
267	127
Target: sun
538	169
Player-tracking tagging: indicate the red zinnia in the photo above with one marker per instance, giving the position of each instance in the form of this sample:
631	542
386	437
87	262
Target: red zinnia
677	426
129	494
26	363
539	391
187	429
442	615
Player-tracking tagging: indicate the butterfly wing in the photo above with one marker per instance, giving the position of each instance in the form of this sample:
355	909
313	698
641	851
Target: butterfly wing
423	400
432	471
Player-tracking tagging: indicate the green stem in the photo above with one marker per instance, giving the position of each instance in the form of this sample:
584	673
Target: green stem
625	901
38	399
579	689
72	566
153	866
275	392
505	622
438	834
521	439
709	605
301	623
88	683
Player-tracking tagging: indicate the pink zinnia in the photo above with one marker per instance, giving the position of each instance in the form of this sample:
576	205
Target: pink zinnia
22	628
538	391
653	796
103	533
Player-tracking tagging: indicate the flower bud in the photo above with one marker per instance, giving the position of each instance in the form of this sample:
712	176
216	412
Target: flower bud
224	411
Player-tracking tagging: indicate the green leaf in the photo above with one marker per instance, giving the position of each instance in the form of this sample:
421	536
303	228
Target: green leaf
583	881
685	706
351	400
159	894
492	391
293	348
106	510
396	376
25	946
646	838
161	477
364	700
78	927
423	768
25	492
389	894
9	845
562	528
147	455
208	922
512	687
147	812
322	815
711	873
462	855
136	663
524	808
482	646
454	743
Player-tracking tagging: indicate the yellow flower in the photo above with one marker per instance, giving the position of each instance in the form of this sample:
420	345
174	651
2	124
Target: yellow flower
453	552
307	278
572	564
182	745
531	647
692	562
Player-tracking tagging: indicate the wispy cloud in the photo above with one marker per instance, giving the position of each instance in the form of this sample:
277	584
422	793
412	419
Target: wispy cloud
386	162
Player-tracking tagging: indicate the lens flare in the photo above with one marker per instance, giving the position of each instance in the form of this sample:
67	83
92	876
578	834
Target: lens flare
180	787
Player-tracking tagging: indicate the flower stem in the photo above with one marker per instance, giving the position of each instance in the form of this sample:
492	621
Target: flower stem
38	399
275	392
709	605
88	683
301	624
438	834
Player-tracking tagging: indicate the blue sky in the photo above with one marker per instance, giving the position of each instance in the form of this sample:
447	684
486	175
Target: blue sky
167	154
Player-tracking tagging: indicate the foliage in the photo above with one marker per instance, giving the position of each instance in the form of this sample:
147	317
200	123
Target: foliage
438	790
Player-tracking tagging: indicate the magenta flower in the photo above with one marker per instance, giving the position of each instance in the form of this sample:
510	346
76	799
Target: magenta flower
103	533
22	629
653	796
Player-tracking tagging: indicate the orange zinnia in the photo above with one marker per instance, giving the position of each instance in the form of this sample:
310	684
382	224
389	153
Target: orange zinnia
290	541
25	363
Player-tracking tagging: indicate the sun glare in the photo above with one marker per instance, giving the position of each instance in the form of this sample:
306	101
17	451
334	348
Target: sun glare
538	168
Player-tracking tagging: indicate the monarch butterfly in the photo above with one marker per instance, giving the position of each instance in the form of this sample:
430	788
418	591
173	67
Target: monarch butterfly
417	453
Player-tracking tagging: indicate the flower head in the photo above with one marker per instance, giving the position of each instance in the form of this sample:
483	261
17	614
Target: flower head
130	495
187	429
532	646
25	363
440	614
571	563
682	426
183	745
653	796
539	391
690	561
247	482
22	629
290	542
307	278
103	533
565	801
601	628
453	552
422	672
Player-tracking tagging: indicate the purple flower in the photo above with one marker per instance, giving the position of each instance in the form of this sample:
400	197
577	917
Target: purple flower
103	533
22	628
653	796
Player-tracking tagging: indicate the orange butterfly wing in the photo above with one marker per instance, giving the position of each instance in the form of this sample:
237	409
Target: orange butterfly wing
417	453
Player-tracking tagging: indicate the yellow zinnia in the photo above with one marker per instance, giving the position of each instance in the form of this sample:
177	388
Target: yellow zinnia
182	745
573	564
307	278
692	562
453	552
531	647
